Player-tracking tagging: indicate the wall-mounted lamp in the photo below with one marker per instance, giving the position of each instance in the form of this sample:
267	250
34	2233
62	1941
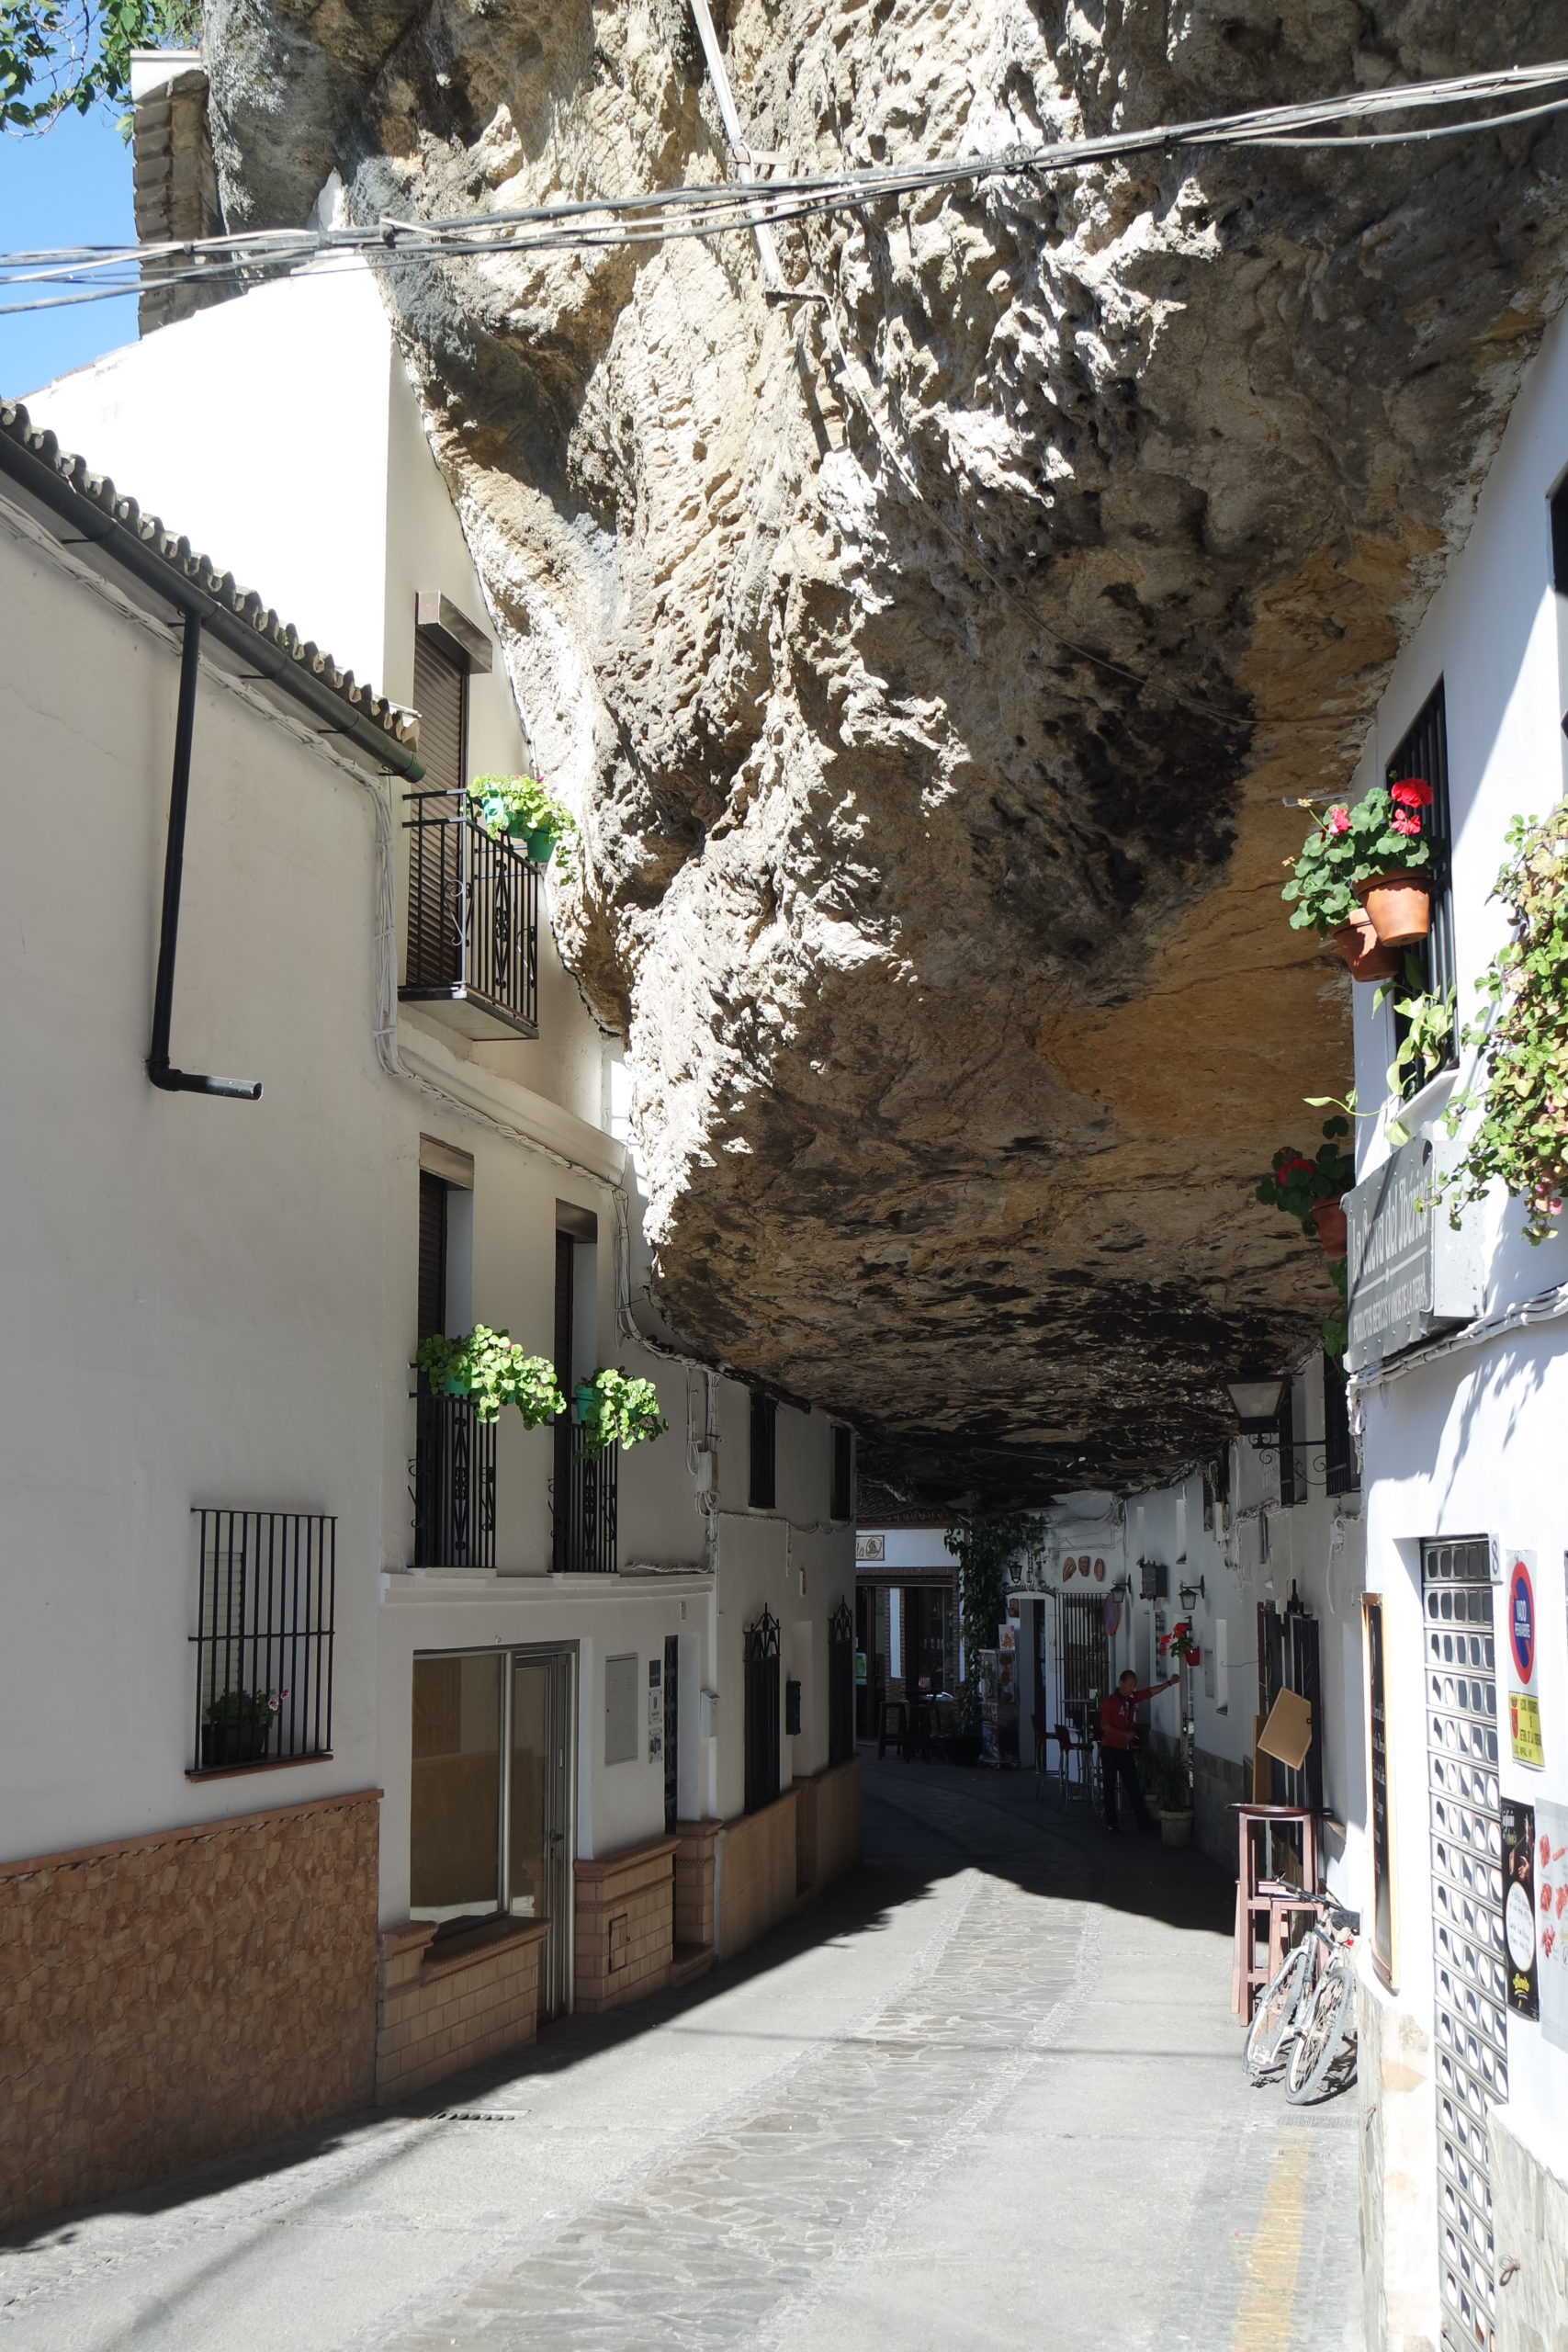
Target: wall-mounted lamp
1189	1593
1256	1404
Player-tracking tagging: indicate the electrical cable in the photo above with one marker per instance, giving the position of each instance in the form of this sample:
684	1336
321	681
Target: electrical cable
705	209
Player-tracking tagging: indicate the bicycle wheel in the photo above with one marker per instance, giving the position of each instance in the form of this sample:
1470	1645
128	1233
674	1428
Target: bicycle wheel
1277	2007
1319	2045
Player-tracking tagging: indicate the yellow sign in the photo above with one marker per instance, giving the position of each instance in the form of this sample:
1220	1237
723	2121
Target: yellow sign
1524	1722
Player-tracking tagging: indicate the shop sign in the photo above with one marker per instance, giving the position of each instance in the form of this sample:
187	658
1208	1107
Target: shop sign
1550	1873
1520	1906
1409	1274
1524	1698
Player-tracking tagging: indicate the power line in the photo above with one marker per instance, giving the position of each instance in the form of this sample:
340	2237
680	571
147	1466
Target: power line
707	209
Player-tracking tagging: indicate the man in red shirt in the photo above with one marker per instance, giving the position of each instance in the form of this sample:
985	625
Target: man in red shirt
1118	1731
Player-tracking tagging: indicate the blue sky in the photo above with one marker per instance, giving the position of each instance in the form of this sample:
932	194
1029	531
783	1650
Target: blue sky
70	185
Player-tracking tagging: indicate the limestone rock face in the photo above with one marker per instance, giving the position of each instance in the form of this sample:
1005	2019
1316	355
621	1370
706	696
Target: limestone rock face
932	662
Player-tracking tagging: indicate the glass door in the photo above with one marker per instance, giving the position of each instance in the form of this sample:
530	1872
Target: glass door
539	1825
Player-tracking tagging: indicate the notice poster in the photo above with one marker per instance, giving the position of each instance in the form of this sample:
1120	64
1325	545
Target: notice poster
1551	1919
1523	1693
1519	1873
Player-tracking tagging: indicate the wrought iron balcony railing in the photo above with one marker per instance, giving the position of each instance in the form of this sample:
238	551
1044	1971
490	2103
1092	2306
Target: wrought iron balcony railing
586	1529
454	1485
473	942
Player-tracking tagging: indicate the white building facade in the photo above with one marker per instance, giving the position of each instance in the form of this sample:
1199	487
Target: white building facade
549	1733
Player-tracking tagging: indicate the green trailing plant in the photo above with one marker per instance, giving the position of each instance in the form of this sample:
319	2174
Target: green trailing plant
67	56
615	1410
1166	1780
1426	1037
985	1548
518	807
1381	834
1295	1182
1521	1082
1337	1327
250	1712
493	1371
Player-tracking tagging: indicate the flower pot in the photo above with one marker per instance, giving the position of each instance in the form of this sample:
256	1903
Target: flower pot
224	1744
1400	905
1364	953
1176	1829
541	844
586	1401
1328	1216
454	1385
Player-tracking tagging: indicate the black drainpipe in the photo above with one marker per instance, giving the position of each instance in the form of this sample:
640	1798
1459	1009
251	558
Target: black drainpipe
159	1068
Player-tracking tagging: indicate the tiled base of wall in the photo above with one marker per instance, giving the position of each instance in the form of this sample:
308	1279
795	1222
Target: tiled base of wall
444	2009
758	1865
182	1996
625	1927
694	1845
827	1826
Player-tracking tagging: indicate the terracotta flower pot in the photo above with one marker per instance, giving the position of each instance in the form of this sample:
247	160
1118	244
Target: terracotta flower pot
1400	905
1363	951
1329	1218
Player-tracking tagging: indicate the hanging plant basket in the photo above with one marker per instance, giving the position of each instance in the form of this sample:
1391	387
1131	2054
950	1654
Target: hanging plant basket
1399	906
1328	1216
1363	953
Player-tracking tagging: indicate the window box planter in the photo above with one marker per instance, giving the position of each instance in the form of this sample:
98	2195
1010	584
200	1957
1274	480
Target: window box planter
1400	908
226	1744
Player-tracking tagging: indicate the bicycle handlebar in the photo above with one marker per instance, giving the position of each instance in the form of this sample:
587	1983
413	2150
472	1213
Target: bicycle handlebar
1338	1916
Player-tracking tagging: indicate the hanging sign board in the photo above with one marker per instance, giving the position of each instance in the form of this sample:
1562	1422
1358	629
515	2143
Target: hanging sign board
1408	1272
1523	1693
1551	1919
1520	1906
1378	1782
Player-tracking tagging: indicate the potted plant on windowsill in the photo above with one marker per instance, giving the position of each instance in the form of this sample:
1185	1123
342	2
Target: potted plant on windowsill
518	807
1311	1190
1321	891
611	1409
1394	860
237	1726
493	1371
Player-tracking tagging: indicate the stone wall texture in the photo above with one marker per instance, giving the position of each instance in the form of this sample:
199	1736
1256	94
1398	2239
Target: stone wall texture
934	664
1399	2174
1530	2220
183	1995
442	2010
624	1928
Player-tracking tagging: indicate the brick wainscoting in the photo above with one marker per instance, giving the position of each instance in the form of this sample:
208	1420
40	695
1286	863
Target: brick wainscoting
827	1826
182	1996
758	1865
694	1845
444	2009
624	1928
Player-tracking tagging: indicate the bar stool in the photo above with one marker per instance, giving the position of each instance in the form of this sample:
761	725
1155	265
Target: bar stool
894	1725
1265	1912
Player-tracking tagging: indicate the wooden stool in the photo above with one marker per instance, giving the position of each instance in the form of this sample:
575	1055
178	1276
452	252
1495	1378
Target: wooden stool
1264	1911
896	1731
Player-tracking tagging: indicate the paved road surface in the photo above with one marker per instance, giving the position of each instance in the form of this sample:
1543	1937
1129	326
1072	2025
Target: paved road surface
986	2094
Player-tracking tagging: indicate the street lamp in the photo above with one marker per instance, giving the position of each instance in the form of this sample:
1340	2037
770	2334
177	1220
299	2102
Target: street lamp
1256	1404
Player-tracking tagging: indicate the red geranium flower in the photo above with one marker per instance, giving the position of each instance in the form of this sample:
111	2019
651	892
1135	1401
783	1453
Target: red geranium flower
1411	794
1405	821
1338	820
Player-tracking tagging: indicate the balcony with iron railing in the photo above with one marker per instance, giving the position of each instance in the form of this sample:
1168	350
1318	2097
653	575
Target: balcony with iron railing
473	929
586	1521
454	1485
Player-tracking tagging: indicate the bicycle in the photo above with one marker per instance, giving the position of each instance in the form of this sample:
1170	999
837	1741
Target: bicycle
1307	2003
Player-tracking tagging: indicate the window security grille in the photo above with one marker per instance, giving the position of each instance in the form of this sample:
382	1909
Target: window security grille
764	1434
761	1642
843	1505
473	922
265	1599
454	1485
1292	1452
1423	751
840	1685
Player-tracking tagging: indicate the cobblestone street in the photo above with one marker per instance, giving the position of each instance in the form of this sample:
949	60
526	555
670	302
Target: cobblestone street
988	2094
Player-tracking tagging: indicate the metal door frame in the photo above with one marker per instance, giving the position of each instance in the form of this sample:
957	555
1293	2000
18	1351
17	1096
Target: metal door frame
562	1692
1470	2037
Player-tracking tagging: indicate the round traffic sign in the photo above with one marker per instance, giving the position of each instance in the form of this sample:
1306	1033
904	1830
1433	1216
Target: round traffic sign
1521	1620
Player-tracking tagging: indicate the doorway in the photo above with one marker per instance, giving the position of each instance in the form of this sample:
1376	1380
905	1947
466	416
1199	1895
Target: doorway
539	1813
